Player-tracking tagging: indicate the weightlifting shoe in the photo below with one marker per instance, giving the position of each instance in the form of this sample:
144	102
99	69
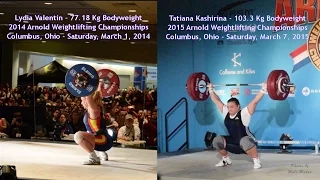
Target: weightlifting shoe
256	163
224	162
103	156
92	161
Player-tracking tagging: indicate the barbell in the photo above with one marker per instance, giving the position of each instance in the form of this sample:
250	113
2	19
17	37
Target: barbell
278	85
82	80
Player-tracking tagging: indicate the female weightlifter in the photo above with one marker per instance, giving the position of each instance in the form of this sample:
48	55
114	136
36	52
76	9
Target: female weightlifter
240	139
96	137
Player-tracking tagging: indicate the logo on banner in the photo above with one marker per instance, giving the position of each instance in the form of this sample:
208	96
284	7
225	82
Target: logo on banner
308	52
234	59
220	92
306	91
234	92
313	45
293	19
236	63
228	10
247	91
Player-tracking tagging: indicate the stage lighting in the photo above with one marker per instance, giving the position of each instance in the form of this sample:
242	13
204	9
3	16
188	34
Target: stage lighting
208	139
284	147
8	172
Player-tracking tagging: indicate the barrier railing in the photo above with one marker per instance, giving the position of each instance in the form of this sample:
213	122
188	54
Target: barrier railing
186	144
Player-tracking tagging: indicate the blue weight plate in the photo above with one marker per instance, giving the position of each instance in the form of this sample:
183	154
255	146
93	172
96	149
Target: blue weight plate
82	80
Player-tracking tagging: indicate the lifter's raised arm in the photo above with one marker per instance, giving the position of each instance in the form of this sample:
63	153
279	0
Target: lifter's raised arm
93	106
215	98
253	104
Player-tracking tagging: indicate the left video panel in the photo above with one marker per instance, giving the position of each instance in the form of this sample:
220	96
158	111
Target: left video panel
78	87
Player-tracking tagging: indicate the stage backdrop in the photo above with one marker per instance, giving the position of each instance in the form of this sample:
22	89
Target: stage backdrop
247	60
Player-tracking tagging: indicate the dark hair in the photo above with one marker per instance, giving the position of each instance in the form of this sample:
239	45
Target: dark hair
235	100
17	115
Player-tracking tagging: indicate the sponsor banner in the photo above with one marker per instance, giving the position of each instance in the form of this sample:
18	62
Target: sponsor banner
140	74
236	67
152	74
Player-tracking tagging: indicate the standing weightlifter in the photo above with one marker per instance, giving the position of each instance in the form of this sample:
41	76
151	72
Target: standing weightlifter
236	120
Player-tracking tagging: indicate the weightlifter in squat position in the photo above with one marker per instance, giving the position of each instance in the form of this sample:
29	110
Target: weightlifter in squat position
96	137
240	139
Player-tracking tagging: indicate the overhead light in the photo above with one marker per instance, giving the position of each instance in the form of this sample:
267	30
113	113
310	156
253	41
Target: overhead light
48	3
87	42
25	21
61	33
70	14
132	42
145	20
88	22
124	39
1	13
132	10
43	41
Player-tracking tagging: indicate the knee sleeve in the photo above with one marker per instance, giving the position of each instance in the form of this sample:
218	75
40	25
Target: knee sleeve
218	142
247	143
78	137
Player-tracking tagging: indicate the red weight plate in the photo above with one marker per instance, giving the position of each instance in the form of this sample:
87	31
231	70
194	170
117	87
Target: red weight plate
189	87
271	92
275	85
200	79
283	79
111	82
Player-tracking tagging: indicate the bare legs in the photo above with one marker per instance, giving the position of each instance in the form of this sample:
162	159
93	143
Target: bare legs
85	140
223	152
253	152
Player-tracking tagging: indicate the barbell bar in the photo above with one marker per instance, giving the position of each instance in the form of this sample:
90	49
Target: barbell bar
278	85
237	85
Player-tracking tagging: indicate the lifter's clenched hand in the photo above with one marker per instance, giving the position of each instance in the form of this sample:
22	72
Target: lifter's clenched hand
264	86
210	86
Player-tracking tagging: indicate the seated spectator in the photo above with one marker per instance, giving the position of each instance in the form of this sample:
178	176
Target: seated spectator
135	115
150	130
18	128
129	132
50	123
111	124
66	127
4	126
110	121
76	122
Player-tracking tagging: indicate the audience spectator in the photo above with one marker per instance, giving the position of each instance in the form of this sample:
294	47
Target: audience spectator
150	130
66	127
18	128
66	109
4	126
129	132
51	121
